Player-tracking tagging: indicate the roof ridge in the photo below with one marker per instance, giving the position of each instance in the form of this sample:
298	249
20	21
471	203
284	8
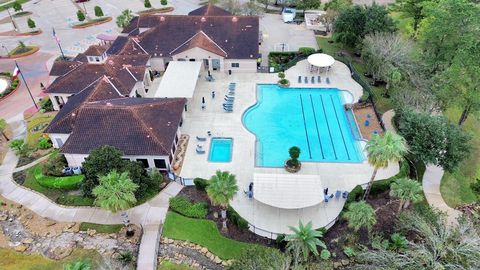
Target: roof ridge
205	35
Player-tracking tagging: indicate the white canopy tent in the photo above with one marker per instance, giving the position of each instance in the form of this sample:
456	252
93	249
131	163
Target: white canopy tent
179	80
320	61
288	191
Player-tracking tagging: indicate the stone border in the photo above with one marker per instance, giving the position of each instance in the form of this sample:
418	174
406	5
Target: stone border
32	51
11	92
156	10
32	33
90	24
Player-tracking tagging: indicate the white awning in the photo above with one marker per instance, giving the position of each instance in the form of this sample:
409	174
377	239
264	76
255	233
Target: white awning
179	80
321	60
288	191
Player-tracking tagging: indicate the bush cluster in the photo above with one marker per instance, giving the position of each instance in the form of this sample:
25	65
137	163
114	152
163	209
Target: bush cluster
306	50
66	182
44	143
186	208
200	183
236	219
55	164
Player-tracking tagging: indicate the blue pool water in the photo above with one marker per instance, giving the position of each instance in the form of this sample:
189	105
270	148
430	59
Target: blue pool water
220	150
312	119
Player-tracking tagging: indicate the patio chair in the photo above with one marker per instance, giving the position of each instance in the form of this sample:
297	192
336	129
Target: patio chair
199	146
227	110
319	79
313	80
305	79
367	123
299	79
337	194
327	80
345	194
200	151
228	106
201	139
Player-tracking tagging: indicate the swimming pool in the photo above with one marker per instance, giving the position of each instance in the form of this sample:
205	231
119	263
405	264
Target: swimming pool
313	119
220	150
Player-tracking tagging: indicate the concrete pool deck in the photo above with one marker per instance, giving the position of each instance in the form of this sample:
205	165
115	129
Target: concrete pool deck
268	220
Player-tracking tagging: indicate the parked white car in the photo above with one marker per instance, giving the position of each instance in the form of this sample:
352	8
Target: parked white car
288	14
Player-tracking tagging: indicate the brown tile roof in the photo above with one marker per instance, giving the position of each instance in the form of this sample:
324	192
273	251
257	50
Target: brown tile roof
61	68
101	89
200	40
136	126
236	35
96	50
209	10
117	68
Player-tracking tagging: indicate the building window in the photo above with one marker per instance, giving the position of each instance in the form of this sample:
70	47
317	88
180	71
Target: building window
144	161
59	142
97	59
160	163
90	59
235	65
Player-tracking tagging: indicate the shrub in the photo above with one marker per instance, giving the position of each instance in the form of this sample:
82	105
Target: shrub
98	11
349	251
354	195
147	4
236	219
31	23
16	144
46	105
156	178
80	16
66	182
284	82
200	183
124	19
281	75
55	164
280	241
258	257
20	147
306	50
17	6
325	254
399	242
184	207
163	2
126	257
475	186
44	143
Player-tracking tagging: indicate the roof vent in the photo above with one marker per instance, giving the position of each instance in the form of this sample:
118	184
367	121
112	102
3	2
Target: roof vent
234	19
109	104
203	19
162	19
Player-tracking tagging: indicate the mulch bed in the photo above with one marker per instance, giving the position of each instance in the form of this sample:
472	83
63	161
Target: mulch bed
92	23
340	236
243	235
156	10
361	115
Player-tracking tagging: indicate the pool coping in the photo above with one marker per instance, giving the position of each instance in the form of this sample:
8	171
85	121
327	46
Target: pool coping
257	103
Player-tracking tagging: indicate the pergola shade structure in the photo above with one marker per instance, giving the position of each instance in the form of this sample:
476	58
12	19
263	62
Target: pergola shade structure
320	61
179	80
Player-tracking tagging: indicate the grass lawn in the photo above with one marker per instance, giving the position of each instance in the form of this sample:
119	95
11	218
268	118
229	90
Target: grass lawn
101	228
202	232
39	120
9	5
12	260
168	265
405	25
455	187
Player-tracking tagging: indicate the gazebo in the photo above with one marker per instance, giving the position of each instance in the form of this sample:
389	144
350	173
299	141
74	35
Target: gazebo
320	61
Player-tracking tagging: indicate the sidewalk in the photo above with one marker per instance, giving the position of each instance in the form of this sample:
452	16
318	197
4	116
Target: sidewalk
150	214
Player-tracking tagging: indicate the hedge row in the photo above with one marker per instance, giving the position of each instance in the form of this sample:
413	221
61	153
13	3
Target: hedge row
184	207
64	182
236	219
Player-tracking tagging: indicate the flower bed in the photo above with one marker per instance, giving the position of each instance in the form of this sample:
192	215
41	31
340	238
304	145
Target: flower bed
92	23
13	85
22	51
156	10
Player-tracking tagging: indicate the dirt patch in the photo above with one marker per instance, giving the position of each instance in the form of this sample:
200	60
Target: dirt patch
234	232
367	121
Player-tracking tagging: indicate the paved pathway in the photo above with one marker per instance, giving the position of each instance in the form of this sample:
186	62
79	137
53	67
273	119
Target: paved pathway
431	180
149	215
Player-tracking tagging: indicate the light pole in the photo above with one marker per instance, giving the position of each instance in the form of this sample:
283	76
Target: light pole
13	22
84	8
6	50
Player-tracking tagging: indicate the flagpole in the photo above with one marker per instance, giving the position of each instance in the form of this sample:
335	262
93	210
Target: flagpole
58	43
26	85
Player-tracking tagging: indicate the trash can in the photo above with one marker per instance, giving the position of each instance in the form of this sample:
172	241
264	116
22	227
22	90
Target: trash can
229	72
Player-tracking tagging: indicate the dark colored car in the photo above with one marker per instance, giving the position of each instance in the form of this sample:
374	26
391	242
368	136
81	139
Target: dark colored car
81	1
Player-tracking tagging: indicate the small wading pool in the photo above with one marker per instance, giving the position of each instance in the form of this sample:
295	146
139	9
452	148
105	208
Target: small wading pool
220	150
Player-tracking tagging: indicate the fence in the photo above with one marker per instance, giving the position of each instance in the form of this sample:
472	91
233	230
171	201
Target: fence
355	75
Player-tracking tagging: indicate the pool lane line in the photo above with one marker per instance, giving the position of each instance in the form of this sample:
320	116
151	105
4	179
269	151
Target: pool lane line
316	126
339	127
305	127
328	126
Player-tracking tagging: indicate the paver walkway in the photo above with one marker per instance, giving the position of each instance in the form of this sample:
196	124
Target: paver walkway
431	180
149	215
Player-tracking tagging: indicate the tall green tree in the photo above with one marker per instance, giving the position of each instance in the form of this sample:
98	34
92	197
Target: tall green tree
407	190
115	192
381	150
3	127
124	19
303	241
433	139
307	4
360	215
448	27
459	84
80	16
221	189
17	6
412	9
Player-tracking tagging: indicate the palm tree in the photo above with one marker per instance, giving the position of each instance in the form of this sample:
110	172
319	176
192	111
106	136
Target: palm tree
304	240
115	192
381	150
407	191
221	189
360	215
78	265
3	126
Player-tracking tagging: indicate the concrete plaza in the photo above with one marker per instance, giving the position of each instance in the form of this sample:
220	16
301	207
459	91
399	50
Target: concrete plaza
267	220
